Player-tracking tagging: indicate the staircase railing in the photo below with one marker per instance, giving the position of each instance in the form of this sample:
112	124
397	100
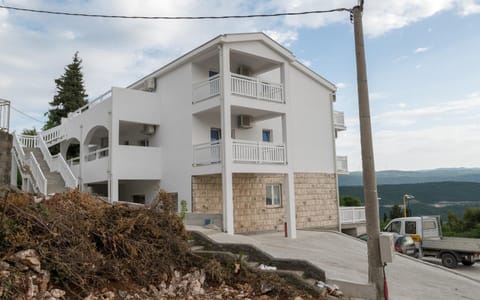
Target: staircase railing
37	174
53	135
57	163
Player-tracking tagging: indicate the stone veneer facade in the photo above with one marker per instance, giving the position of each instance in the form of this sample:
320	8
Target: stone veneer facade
316	200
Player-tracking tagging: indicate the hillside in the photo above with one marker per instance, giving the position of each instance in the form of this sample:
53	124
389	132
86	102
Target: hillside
421	176
431	198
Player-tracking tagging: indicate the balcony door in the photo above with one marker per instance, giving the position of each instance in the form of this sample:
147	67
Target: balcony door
215	136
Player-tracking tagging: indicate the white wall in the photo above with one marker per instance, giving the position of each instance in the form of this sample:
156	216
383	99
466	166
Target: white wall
255	133
201	125
311	122
175	90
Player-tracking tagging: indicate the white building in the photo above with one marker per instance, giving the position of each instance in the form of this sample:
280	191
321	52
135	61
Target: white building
236	127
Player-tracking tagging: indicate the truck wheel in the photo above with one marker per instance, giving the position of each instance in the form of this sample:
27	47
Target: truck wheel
467	262
449	260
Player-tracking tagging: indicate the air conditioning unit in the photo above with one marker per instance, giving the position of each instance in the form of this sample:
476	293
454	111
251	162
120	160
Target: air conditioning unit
244	121
150	84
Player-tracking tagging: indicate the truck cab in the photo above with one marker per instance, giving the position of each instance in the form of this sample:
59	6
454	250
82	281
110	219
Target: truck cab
417	227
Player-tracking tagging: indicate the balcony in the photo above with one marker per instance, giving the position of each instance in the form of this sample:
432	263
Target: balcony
242	152
352	214
339	121
342	165
256	88
241	85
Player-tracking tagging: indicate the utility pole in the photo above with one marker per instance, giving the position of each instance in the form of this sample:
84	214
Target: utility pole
375	268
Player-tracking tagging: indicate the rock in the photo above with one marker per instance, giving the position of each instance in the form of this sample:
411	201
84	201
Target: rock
122	294
266	287
4	274
57	293
108	296
196	288
298	298
28	258
4	265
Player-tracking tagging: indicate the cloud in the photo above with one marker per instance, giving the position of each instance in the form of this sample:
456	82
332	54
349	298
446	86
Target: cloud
421	49
341	85
377	96
283	37
468	7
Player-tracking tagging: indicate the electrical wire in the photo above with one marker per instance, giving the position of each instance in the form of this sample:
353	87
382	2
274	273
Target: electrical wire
25	114
174	17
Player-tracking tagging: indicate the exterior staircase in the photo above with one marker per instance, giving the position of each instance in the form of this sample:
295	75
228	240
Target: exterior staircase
42	172
55	182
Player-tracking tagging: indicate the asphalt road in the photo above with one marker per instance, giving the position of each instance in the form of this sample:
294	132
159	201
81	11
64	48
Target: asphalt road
472	271
345	258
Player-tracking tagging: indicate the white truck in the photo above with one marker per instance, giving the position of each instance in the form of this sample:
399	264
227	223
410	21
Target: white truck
427	234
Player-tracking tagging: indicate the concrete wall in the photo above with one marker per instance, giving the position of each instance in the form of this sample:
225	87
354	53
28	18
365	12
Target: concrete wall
5	157
316	200
149	188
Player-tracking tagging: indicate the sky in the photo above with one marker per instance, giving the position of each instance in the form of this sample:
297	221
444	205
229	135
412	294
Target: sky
423	63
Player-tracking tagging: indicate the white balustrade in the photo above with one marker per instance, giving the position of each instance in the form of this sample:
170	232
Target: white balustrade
28	141
258	152
53	135
90	104
352	214
4	115
18	148
37	174
342	165
97	154
73	161
256	88
205	89
339	120
207	153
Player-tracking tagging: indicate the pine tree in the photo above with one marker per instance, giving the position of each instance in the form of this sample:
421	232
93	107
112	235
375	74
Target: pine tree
70	94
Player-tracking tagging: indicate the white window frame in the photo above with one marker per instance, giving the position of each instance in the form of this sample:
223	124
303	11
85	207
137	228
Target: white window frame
276	201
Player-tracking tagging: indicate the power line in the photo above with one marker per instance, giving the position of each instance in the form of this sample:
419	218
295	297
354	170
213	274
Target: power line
174	17
26	115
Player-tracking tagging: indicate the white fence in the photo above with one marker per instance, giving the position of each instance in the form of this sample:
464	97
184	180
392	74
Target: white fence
28	141
205	89
258	152
94	155
339	120
342	165
4	115
207	153
256	88
53	135
352	214
37	174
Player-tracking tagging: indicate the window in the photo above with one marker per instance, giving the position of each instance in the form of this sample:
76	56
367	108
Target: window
215	134
411	227
267	135
274	195
429	225
394	227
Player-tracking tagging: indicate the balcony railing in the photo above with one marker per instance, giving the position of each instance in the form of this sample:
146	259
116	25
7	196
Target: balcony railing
342	165
339	120
240	85
97	154
352	214
242	151
256	88
205	89
258	152
207	153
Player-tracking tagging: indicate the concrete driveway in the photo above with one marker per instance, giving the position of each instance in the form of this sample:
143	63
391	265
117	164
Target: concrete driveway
345	258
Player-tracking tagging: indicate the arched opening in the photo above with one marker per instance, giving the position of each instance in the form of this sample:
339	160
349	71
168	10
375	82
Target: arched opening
96	143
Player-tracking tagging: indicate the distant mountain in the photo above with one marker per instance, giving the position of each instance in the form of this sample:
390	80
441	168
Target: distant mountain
421	176
431	198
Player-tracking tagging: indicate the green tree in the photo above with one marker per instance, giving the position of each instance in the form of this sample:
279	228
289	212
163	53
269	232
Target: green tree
350	201
471	217
396	212
70	94
32	131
